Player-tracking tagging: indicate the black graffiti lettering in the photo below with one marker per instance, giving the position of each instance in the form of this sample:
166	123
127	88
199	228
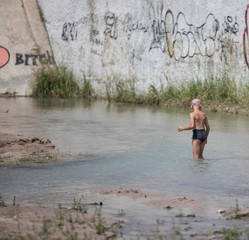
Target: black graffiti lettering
42	58
111	25
68	32
69	29
34	57
96	53
231	26
134	26
19	59
27	56
159	35
96	41
228	40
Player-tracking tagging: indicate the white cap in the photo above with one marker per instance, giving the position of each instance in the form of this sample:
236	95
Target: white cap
196	102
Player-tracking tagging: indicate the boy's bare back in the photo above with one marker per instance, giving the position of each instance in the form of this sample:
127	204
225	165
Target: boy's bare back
199	118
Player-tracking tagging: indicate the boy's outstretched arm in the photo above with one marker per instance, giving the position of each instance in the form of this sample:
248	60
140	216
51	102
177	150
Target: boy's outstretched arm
190	126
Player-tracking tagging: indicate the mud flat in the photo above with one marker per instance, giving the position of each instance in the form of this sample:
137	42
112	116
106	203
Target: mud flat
44	222
229	224
18	150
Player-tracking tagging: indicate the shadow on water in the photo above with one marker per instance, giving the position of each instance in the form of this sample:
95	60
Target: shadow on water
127	146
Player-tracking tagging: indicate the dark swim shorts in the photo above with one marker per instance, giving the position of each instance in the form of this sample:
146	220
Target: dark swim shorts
199	134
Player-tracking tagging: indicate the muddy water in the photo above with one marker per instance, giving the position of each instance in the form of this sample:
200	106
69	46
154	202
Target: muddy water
115	146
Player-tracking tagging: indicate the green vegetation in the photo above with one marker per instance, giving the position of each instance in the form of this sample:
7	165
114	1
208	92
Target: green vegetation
2	203
213	88
221	93
121	90
86	90
25	160
55	82
61	83
231	234
219	89
79	206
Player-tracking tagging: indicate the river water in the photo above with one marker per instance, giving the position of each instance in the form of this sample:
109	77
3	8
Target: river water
118	145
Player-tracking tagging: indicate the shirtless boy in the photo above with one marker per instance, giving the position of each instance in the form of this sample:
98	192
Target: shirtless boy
199	124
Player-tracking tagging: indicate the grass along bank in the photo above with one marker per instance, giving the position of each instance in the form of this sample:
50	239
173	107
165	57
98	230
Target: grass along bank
218	94
59	82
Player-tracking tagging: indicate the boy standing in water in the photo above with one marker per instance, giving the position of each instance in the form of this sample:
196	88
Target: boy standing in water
199	124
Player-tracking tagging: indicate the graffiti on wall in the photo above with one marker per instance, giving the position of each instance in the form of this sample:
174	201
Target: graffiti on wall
34	59
246	38
172	34
228	42
182	39
111	25
4	56
70	31
133	25
96	42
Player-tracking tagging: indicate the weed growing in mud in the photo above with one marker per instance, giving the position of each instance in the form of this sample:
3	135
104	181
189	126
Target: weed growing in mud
236	208
87	89
2	203
79	206
98	223
15	208
231	234
60	217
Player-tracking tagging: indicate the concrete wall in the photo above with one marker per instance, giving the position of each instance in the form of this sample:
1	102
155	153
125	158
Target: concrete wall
149	39
145	39
24	44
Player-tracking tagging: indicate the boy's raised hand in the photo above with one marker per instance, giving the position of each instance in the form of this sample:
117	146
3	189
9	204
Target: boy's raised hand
179	129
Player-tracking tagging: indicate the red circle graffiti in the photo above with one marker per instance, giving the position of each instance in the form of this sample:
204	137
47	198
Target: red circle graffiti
4	56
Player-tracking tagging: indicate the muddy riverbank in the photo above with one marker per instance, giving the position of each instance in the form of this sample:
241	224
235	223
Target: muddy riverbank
18	150
76	221
18	221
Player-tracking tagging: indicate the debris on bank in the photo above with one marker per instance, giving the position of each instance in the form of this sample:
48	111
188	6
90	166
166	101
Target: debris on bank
129	192
235	213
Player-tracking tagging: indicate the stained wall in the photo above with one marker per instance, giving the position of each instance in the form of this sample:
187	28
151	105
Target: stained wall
149	40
